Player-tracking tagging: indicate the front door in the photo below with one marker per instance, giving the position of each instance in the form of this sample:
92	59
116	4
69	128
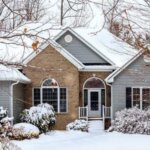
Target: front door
94	103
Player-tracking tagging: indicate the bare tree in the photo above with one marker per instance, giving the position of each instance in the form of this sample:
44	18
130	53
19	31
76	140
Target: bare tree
15	12
21	19
129	20
77	12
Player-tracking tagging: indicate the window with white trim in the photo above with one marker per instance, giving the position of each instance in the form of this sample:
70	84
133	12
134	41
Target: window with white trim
51	93
141	97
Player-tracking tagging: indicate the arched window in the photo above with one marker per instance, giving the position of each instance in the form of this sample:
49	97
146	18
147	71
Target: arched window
50	83
93	83
51	93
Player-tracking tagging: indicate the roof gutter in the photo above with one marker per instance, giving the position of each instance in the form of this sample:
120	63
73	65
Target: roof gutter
97	69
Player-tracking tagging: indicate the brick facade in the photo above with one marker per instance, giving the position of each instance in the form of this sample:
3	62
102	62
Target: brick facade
51	64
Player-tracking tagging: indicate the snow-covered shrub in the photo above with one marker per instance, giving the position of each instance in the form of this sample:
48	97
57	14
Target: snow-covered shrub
5	123
22	131
80	125
42	116
5	144
133	120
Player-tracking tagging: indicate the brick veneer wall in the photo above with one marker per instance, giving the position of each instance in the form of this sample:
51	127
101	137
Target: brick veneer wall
51	64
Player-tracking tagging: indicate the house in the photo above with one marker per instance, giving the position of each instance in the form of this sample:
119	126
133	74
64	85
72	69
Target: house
79	72
12	82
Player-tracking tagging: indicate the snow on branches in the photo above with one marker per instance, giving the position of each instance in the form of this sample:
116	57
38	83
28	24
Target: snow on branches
5	123
133	120
42	116
80	125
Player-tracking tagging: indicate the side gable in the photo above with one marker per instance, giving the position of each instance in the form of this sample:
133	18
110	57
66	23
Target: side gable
82	49
111	77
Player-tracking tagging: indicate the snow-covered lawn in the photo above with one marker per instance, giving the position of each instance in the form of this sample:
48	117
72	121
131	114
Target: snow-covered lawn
94	140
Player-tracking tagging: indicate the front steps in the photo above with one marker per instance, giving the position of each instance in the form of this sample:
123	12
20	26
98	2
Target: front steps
96	126
92	119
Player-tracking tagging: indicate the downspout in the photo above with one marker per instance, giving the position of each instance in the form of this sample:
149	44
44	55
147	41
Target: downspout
11	98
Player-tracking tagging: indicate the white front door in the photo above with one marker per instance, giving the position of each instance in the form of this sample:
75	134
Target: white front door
94	103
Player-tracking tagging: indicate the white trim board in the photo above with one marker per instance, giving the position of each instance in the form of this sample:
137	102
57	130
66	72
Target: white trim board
98	69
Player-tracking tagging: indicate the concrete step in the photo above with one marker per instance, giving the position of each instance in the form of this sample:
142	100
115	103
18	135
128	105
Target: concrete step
96	126
92	118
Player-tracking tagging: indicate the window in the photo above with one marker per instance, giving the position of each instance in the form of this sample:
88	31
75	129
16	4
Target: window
63	97
94	83
140	97
36	96
145	97
85	97
68	38
51	93
136	97
50	96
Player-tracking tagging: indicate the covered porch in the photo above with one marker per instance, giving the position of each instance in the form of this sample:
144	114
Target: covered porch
94	105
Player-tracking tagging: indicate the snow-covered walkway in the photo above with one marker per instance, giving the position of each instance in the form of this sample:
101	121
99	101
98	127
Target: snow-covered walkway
96	126
94	140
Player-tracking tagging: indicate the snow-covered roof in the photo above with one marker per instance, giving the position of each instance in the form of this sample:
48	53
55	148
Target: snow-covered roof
15	52
73	31
109	45
8	73
106	44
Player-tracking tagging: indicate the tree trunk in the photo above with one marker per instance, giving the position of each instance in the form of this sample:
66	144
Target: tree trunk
61	13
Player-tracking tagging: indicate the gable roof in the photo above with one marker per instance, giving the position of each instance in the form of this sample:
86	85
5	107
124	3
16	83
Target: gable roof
104	43
75	33
59	49
110	78
80	66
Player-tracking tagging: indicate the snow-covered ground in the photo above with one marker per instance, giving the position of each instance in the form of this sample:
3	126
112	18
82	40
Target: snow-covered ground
96	139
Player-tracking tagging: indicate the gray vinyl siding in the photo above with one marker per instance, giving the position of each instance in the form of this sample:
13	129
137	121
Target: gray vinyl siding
136	74
5	94
18	101
79	50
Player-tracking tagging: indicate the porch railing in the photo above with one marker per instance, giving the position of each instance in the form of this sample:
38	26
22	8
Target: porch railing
106	112
83	113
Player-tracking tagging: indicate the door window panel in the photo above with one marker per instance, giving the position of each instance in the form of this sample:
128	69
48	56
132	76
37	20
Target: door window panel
94	101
